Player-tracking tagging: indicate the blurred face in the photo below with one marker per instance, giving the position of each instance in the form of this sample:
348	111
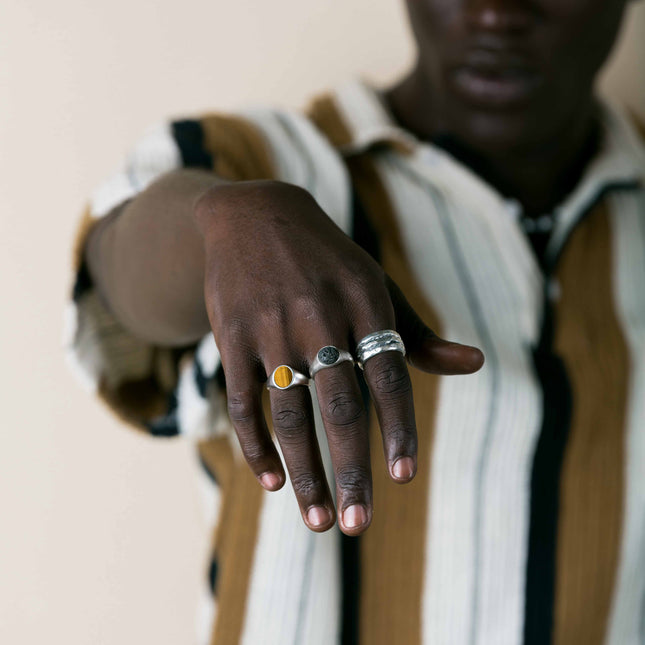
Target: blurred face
511	73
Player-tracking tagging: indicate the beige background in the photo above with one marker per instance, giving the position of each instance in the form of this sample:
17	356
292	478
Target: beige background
102	539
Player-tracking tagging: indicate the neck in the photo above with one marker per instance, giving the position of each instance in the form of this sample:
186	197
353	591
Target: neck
538	175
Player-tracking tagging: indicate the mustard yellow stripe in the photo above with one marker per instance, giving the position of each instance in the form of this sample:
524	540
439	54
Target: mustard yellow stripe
239	149
217	456
235	541
590	340
135	402
324	112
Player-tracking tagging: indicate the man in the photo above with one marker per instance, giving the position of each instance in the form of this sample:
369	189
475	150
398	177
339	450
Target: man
488	197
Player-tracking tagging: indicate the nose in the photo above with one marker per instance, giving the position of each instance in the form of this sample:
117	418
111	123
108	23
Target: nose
499	15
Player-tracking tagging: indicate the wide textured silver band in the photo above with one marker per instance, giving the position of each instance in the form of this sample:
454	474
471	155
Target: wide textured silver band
386	340
284	377
329	356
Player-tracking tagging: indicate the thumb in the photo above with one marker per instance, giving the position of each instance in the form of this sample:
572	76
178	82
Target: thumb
424	349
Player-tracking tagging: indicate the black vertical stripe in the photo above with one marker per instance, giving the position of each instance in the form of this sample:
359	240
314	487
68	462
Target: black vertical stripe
201	381
189	136
83	282
545	486
350	588
212	574
364	234
166	425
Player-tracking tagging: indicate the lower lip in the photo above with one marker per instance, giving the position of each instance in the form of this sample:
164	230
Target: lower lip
503	91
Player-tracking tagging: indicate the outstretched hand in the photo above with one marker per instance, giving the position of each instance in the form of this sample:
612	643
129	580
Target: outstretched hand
282	281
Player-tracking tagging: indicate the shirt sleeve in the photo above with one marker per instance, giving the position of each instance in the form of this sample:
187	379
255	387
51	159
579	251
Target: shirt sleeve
167	391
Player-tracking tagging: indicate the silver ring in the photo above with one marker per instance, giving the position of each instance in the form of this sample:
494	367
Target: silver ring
284	377
329	356
386	340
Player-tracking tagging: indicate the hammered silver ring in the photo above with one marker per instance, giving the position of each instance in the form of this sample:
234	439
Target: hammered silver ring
386	340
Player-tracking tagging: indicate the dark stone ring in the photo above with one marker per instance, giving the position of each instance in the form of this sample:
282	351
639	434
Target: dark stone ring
329	356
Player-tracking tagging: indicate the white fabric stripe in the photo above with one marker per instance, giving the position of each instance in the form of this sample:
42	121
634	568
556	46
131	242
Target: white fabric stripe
470	194
500	547
85	377
101	348
200	417
331	186
303	157
294	590
626	624
208	355
211	496
155	154
504	484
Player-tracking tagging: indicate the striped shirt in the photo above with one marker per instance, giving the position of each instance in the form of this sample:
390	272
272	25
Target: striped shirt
525	523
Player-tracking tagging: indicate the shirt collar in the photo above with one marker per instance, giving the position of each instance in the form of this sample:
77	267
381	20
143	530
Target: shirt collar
368	121
621	159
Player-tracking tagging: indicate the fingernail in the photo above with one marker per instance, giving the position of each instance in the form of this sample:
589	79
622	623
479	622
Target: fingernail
354	516
318	516
403	468
270	480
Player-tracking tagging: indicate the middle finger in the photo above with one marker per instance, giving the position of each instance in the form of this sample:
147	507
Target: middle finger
345	420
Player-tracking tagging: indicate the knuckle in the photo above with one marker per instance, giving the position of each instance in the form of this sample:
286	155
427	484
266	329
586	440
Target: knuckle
241	407
343	410
392	379
307	485
272	316
353	479
306	305
290	421
254	453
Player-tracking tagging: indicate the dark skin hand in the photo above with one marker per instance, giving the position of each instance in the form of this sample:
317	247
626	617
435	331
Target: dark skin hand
281	282
261	266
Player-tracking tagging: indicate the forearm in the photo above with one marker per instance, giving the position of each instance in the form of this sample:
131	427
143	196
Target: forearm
147	260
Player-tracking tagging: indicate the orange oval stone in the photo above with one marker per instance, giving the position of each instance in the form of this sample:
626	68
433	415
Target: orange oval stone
283	376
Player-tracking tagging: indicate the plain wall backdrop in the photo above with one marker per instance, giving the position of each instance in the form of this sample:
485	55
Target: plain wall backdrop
102	536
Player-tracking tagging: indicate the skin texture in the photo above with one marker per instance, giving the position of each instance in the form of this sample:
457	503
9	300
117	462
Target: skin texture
506	86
